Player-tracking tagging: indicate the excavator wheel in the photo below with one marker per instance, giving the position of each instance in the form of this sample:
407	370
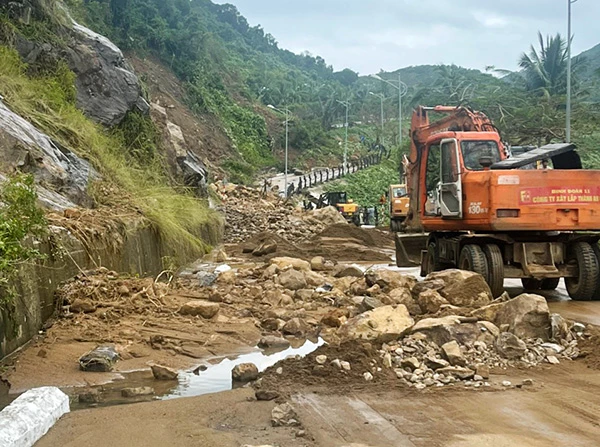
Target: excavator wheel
433	259
473	258
584	286
531	283
549	283
495	278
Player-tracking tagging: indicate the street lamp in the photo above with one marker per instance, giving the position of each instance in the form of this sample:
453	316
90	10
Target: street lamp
347	105
569	2
402	90
286	112
382	98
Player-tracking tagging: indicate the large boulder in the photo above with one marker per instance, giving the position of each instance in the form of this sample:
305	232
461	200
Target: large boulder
296	327
389	279
462	288
292	280
445	329
384	323
343	271
527	316
510	346
320	264
430	301
287	262
244	372
402	295
205	309
328	216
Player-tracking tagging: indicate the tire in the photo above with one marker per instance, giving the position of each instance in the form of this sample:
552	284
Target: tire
549	283
495	262
583	287
596	249
531	283
433	259
473	259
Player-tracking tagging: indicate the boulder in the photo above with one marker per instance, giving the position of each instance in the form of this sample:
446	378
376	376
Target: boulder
430	301
314	279
453	353
402	295
100	359
272	341
527	316
296	327
284	416
510	346
244	372
445	329
272	324
359	287
488	312
329	216
163	372
463	288
270	271
292	280
320	264
559	329
286	262
384	323
266	395
427	284
335	318
265	248
228	277
205	309
304	294
389	279
343	271
369	303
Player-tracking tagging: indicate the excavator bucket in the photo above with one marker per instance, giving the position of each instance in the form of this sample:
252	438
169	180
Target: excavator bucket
409	247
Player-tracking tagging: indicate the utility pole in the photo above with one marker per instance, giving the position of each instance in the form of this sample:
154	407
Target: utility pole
569	3
402	90
347	105
382	98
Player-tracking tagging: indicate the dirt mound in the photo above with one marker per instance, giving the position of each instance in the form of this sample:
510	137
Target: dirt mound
590	348
284	248
370	237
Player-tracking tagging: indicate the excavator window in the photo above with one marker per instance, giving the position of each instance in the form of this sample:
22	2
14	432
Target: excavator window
474	151
450	163
432	179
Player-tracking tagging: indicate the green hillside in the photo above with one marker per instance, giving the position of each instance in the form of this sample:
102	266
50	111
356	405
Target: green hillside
590	71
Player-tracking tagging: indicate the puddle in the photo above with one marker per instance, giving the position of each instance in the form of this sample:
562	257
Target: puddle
216	378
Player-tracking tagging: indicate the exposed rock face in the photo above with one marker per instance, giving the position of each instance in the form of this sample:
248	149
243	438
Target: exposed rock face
25	148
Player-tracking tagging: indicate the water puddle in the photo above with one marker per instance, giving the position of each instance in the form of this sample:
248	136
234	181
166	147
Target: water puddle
206	379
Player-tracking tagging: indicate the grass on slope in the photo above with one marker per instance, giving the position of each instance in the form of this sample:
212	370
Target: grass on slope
49	103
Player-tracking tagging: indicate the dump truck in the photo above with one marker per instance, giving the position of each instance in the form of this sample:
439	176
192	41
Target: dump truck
484	213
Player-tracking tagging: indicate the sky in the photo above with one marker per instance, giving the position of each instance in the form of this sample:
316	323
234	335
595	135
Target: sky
370	35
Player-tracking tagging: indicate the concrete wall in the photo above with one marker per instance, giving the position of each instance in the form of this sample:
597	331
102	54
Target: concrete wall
131	247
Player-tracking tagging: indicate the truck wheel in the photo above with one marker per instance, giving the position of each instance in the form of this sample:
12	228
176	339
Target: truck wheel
473	259
495	263
433	259
531	283
583	286
596	249
549	283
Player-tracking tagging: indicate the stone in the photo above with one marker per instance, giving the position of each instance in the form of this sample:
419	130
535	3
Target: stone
578	328
552	359
411	363
358	287
506	383
270	271
286	262
389	279
337	363
272	324
304	294
559	329
265	248
445	329
100	359
463	288
429	284
527	382
227	277
319	264
266	395
272	341
403	295
453	353
163	372
244	372
430	301
384	323
335	317
284	415
82	306
344	271
296	327
369	303
457	372
387	360
292	280
527	316
314	279
137	392
488	313
368	376
483	371
91	396
205	309
345	365
435	363
321	359
510	346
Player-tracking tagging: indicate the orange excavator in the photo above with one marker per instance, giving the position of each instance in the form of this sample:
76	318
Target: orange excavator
485	211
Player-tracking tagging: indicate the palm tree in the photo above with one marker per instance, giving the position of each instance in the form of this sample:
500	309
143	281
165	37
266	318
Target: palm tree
545	71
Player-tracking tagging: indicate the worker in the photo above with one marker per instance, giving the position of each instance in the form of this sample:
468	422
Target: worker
290	190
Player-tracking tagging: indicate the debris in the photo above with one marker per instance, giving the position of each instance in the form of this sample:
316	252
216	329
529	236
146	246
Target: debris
244	372
385	323
284	415
510	346
100	359
205	309
368	376
163	373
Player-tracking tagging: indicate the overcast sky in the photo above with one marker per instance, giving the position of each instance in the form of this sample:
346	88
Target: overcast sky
369	35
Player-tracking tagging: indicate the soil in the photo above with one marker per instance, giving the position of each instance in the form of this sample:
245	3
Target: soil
369	237
590	347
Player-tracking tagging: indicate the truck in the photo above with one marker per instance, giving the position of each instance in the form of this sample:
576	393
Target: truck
489	213
399	205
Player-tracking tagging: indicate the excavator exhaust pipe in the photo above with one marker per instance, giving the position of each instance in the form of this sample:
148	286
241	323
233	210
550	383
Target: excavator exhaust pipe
409	247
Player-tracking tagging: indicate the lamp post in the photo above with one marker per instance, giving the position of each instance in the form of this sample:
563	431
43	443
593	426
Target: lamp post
382	98
402	90
569	2
347	105
286	112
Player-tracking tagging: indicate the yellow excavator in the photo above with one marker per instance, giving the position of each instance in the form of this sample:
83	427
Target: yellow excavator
399	205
